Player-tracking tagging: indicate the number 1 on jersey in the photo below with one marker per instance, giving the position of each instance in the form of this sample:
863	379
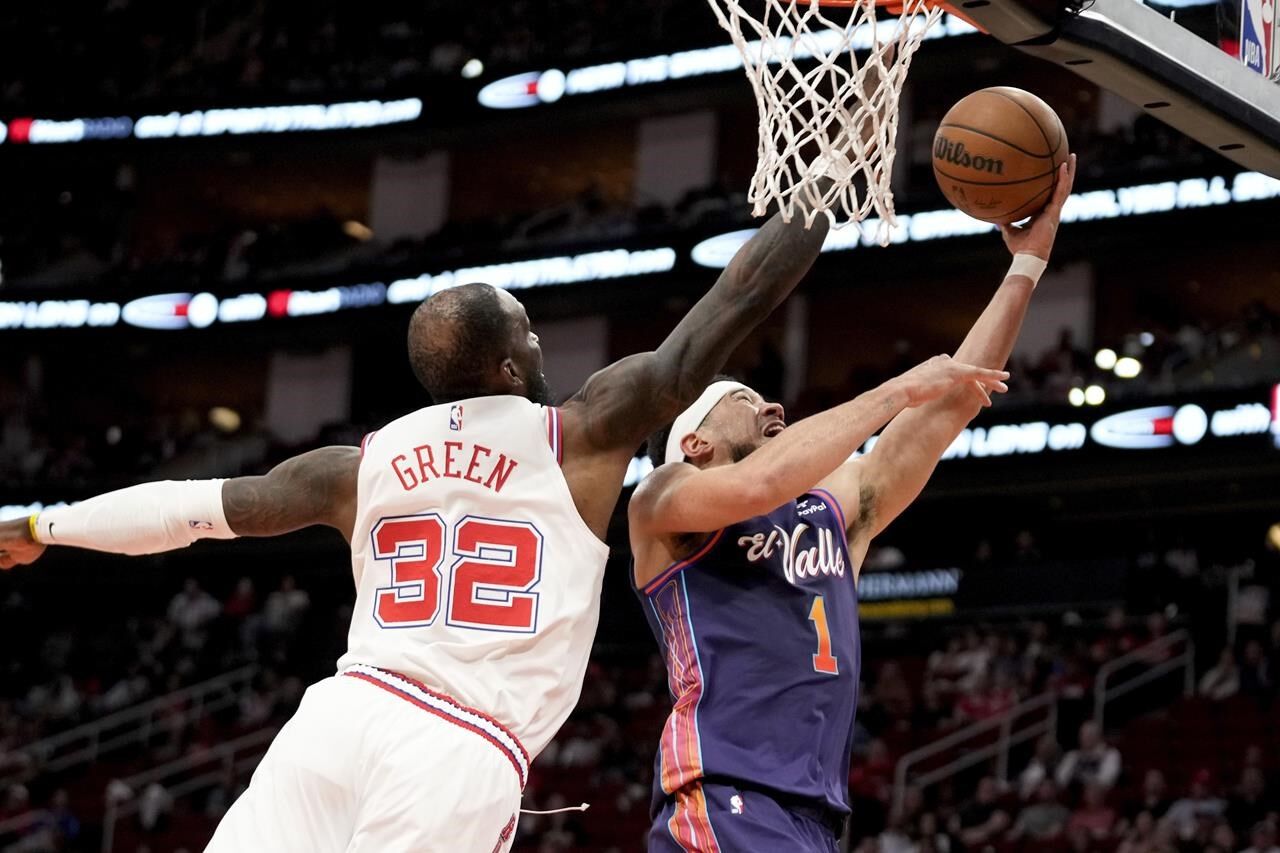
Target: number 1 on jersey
823	661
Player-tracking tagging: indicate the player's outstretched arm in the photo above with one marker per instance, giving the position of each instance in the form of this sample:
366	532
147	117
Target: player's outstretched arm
884	482
314	488
620	405
682	498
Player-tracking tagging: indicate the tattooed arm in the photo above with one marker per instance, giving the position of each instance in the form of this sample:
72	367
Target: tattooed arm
622	404
315	488
618	407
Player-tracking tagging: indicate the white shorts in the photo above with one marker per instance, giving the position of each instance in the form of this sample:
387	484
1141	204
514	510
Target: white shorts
374	762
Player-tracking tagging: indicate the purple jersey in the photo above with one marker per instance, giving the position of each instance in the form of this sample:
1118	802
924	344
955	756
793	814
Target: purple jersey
759	629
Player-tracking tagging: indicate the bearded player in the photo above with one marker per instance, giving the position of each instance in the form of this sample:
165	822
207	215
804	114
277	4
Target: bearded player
748	538
476	529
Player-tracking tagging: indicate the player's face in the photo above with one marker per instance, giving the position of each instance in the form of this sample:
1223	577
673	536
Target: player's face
526	352
743	421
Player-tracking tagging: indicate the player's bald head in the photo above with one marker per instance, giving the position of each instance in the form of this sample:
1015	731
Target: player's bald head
458	340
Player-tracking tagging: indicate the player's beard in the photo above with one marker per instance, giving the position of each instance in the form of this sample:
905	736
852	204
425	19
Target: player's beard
741	451
537	389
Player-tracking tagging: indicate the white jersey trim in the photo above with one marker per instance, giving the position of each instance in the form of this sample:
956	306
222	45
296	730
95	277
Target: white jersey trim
450	709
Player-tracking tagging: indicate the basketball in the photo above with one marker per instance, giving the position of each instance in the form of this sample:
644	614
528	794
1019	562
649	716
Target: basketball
997	152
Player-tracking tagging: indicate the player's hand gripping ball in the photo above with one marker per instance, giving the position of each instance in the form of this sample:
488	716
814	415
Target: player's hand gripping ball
997	152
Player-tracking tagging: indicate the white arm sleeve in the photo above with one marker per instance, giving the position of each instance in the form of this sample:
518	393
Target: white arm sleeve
144	519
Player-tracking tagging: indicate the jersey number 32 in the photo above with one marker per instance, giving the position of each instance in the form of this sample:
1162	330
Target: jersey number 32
481	573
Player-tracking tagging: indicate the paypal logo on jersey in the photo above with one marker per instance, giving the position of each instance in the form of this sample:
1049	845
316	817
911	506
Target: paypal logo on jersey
805	509
798	563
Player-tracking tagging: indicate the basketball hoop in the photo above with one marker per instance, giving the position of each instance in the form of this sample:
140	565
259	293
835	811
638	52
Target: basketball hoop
824	113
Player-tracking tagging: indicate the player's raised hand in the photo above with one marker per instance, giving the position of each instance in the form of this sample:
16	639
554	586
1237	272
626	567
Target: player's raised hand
1037	236
940	375
17	548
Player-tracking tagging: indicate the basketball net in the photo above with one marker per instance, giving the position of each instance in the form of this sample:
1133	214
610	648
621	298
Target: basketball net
822	112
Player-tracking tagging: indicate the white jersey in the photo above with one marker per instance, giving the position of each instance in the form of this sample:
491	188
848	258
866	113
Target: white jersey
474	572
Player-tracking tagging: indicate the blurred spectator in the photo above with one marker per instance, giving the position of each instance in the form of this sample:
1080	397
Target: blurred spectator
285	608
987	698
242	601
1093	819
1045	818
1185	814
892	692
1040	767
1153	798
1255	672
1262	838
1140	836
982	820
1094	761
1250	803
61	819
154	806
872	777
1222	680
190	611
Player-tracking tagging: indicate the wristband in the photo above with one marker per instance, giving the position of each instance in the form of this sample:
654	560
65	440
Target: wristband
1027	264
32	521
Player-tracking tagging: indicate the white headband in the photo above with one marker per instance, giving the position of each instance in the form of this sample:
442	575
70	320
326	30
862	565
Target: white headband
691	418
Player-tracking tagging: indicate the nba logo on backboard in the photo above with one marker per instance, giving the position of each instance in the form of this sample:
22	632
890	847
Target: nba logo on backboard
455	417
1257	27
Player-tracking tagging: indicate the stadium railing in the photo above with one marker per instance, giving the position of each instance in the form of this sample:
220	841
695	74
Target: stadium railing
984	740
84	744
1142	666
183	777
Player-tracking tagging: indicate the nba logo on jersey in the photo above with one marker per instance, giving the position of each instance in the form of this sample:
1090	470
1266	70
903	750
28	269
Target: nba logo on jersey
1257	25
455	417
735	804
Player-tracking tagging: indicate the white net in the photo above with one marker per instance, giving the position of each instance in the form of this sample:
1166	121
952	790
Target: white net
822	112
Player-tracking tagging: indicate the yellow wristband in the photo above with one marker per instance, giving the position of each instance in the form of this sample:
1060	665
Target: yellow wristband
32	526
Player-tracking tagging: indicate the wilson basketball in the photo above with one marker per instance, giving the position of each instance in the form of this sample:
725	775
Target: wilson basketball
997	152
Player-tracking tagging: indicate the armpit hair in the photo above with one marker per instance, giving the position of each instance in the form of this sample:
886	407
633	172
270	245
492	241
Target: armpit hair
866	507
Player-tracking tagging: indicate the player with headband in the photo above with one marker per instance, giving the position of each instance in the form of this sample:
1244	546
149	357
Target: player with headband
748	538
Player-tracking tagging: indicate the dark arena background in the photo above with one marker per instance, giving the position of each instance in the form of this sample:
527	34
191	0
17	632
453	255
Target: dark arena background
217	216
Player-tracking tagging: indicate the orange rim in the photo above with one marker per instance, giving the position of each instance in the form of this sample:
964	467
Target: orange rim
895	7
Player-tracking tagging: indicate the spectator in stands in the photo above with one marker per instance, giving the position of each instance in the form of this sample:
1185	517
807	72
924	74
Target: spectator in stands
285	607
872	777
1140	836
1262	838
1093	819
1154	797
988	698
1094	761
892	693
1185	814
1045	818
190	611
1221	681
944	668
1157	629
1040	767
982	820
61	820
974	659
1221	839
1061	366
1249	803
1255	674
242	600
